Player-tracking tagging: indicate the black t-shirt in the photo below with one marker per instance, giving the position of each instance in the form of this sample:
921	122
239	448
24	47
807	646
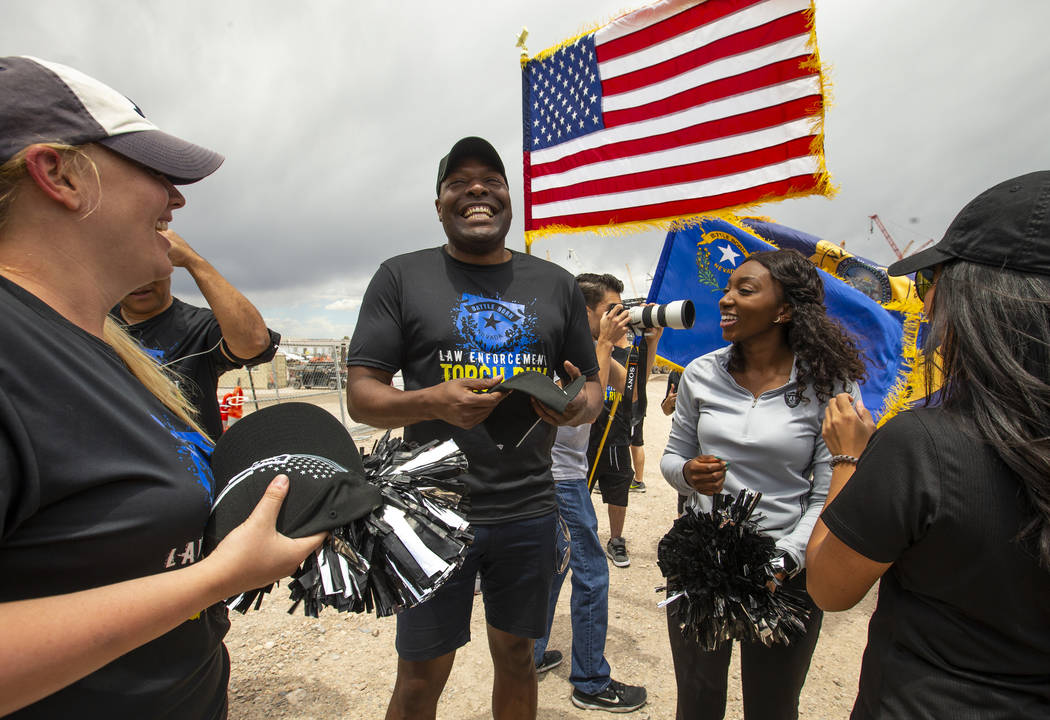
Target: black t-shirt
435	318
962	627
620	430
99	483
186	339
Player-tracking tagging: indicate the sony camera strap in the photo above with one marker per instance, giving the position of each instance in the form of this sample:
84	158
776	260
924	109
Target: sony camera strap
622	404
638	349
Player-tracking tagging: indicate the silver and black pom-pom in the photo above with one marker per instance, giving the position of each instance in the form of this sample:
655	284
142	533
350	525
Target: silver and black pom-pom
397	555
718	572
397	526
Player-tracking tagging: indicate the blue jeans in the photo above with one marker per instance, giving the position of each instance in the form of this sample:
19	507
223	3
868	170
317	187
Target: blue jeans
590	590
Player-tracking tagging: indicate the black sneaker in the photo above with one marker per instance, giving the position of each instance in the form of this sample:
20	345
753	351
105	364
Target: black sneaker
616	549
551	659
637	486
617	697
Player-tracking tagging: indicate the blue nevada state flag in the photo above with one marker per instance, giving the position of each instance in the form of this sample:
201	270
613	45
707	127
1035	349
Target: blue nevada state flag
880	312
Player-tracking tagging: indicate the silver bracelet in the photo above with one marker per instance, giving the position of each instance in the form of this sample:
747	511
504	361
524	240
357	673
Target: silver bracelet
842	459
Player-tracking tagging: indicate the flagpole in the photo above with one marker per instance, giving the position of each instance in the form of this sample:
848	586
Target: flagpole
520	43
634	290
601	445
524	58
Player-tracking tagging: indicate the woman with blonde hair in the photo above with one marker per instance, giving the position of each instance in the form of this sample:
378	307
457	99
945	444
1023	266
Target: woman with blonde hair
106	607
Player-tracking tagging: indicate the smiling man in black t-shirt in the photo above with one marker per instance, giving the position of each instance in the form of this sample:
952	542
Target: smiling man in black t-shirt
197	344
453	320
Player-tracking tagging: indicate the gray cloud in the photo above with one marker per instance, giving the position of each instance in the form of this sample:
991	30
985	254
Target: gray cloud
333	115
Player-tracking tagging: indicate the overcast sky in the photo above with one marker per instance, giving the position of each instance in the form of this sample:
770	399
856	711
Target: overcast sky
333	115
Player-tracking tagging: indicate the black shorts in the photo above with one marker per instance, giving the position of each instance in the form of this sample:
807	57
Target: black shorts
517	561
614	474
636	433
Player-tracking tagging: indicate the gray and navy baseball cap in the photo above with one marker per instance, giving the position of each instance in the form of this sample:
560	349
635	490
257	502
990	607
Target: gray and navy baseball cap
43	101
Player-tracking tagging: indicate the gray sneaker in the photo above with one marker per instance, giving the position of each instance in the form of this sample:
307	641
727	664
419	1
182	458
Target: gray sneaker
616	549
617	697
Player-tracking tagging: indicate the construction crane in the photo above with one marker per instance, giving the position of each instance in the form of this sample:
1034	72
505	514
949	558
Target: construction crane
885	233
925	244
889	238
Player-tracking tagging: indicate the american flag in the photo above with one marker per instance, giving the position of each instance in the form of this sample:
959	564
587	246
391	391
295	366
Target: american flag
676	109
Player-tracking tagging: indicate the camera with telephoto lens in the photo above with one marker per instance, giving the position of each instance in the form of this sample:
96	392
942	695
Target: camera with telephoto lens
678	314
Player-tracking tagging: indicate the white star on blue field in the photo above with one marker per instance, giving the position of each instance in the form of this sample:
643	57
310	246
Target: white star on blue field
728	254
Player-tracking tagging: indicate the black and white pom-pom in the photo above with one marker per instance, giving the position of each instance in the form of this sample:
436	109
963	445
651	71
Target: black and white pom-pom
397	555
718	574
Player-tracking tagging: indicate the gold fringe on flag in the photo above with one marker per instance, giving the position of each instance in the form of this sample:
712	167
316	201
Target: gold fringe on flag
901	393
908	387
544	54
663	362
824	184
587	30
824	187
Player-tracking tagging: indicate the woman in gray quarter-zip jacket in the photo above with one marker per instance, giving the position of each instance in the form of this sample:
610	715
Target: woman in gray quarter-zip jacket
749	416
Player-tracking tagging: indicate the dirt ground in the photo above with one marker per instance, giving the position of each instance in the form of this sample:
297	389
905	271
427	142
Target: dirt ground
343	666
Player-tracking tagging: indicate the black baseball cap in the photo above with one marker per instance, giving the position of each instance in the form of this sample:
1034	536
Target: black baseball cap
1006	226
42	102
514	418
326	479
543	388
469	147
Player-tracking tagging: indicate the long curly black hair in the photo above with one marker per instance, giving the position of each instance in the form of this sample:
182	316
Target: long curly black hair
826	354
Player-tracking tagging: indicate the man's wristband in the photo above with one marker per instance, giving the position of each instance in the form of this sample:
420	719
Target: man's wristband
843	460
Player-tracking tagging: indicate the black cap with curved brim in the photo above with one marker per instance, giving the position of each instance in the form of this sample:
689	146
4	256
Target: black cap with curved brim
47	102
327	486
513	419
469	147
543	388
1006	226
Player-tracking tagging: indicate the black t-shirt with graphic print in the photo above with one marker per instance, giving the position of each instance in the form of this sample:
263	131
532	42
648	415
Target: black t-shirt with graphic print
186	339
99	483
435	318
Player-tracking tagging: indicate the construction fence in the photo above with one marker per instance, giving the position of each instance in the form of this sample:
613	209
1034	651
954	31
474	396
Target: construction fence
312	371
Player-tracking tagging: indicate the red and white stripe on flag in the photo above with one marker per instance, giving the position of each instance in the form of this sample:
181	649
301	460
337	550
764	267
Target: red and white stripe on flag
679	108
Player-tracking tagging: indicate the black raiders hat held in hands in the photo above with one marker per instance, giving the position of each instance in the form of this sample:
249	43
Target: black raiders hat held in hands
326	480
513	419
469	147
45	102
396	522
1007	226
543	388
